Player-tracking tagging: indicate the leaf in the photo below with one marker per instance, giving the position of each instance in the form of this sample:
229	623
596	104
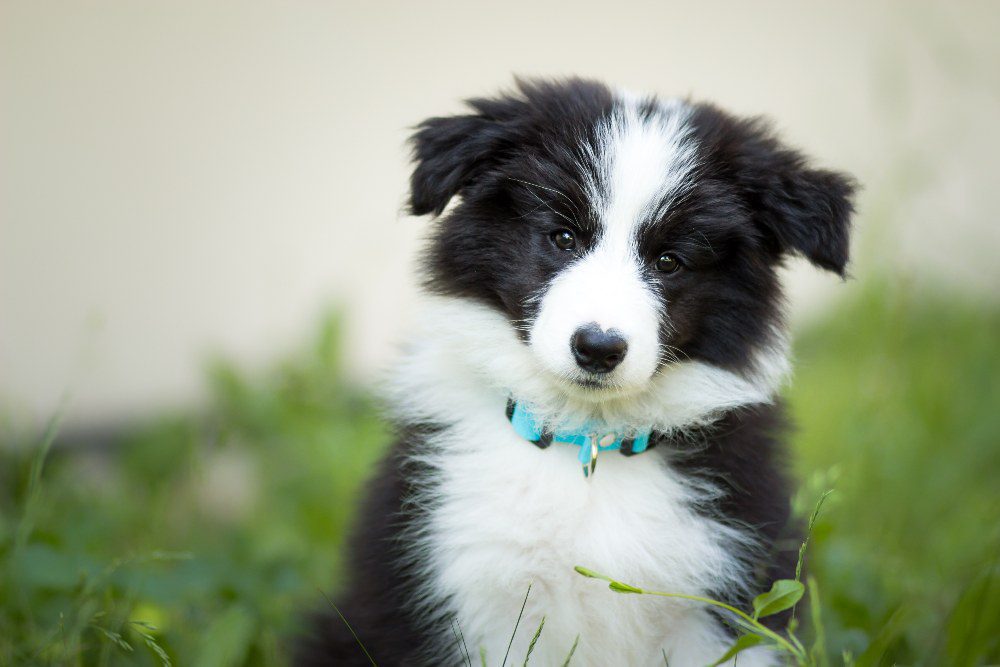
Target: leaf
518	623
972	626
891	629
616	586
587	572
743	643
619	587
784	594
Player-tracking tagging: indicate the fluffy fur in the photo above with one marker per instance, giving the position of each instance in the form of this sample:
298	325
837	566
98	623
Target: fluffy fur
660	221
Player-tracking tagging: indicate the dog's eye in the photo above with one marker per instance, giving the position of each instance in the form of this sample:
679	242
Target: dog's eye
563	239
668	263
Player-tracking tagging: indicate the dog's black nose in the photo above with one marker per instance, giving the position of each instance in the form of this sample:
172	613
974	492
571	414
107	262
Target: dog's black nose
598	351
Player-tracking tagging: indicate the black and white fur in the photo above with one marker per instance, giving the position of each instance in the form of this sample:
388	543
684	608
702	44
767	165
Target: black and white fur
464	514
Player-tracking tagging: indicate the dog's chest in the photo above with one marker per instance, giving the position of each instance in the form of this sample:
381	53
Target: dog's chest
508	515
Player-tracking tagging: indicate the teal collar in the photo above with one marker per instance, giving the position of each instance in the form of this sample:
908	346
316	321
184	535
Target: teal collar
592	438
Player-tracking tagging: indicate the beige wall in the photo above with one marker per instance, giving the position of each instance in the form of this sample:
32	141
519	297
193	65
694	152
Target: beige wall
180	178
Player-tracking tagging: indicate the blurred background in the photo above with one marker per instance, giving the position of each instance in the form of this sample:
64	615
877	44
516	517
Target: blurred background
204	265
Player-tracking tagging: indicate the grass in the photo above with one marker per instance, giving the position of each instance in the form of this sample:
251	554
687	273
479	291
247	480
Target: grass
213	529
194	539
898	402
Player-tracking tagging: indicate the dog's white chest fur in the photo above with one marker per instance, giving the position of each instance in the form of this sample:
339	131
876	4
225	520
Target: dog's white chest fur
508	515
504	514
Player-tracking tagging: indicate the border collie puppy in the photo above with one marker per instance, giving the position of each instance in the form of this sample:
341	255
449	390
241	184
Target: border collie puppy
592	382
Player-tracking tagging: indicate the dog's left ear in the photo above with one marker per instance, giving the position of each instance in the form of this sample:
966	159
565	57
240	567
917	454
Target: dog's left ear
800	210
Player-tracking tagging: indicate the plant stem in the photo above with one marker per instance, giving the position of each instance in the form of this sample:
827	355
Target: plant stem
756	625
748	620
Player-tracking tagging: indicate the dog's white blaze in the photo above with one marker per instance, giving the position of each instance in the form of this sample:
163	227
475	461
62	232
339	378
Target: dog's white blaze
605	287
643	161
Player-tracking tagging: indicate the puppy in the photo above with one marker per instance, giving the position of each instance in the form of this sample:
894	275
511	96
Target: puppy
592	382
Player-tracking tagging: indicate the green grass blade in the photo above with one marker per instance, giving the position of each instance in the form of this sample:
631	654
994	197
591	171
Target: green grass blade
519	615
809	530
460	638
356	638
742	643
115	638
818	651
26	525
147	637
534	640
572	650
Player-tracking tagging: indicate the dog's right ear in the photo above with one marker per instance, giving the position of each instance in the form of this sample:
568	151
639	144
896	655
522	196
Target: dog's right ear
449	154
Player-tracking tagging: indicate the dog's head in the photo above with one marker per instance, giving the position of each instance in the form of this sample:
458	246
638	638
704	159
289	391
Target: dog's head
621	234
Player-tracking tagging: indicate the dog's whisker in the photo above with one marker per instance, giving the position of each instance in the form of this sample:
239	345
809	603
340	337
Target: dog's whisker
546	187
547	205
525	215
573	208
676	351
